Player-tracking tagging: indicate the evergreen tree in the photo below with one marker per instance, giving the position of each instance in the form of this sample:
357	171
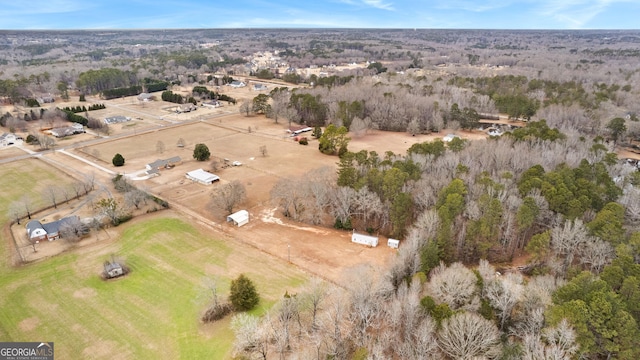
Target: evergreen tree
243	295
118	160
201	152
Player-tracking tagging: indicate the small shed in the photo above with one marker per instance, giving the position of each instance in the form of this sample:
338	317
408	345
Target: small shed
239	218
393	243
112	270
364	239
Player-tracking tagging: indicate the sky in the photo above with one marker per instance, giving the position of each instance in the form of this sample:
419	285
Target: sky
406	14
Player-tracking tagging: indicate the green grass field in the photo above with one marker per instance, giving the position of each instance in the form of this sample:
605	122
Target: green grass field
151	313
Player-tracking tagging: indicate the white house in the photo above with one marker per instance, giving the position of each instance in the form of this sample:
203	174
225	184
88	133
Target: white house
239	218
237	84
145	97
393	243
7	139
364	239
212	104
75	128
116	119
203	177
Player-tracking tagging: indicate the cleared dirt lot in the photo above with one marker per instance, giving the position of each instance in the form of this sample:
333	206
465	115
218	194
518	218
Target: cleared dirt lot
321	251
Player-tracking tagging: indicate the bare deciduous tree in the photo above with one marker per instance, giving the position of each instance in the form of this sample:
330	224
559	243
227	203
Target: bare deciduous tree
468	335
228	196
343	204
454	285
279	103
555	343
364	298
16	211
596	253
160	147
50	192
73	229
27	205
504	293
46	142
567	239
313	299
286	315
251	337
89	182
359	127
245	108
289	194
135	197
334	324
77	187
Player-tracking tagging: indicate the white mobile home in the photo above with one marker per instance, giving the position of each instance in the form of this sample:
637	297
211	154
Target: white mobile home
393	243
364	239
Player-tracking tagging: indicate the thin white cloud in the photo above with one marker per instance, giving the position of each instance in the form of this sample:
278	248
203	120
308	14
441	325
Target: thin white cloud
472	6
300	22
378	4
576	13
36	7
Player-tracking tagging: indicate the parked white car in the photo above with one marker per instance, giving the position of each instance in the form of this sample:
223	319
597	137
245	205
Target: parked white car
236	163
450	137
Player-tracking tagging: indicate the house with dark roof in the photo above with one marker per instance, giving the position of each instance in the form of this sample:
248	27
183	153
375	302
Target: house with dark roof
154	167
37	231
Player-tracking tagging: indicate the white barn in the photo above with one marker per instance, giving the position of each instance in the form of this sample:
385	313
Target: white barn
239	218
364	239
201	176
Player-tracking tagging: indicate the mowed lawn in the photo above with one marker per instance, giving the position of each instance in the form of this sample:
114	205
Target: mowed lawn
151	313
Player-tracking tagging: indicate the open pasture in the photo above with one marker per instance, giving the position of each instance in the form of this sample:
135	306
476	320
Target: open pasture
151	313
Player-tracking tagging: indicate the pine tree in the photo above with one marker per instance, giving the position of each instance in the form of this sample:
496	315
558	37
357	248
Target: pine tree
243	295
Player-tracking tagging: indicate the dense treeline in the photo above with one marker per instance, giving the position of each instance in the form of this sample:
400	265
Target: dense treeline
94	81
73	117
78	109
152	85
170	96
121	92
